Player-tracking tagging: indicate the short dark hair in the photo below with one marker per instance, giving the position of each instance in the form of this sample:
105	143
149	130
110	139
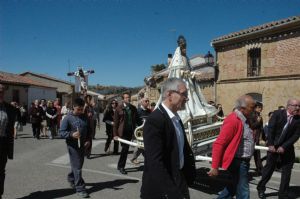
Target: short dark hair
126	93
258	104
153	104
270	113
78	102
113	101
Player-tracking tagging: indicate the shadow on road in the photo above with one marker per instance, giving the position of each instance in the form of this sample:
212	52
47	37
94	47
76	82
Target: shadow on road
294	192
108	185
135	169
94	155
50	194
213	185
22	137
95	187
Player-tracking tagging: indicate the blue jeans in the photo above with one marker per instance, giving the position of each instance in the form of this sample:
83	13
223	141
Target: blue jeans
239	186
76	160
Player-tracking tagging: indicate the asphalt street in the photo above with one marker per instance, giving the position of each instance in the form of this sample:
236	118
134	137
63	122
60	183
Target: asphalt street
39	171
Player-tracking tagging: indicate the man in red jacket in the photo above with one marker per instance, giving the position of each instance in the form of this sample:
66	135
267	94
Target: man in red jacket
234	147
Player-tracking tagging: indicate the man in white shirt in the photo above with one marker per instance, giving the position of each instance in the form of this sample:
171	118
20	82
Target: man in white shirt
169	161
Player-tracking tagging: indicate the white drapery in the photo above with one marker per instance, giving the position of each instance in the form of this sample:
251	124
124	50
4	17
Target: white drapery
196	106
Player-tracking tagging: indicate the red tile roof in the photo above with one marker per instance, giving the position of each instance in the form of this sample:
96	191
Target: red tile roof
256	29
10	78
45	76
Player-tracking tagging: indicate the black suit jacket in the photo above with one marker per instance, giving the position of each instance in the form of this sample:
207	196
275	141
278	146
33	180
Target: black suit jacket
7	142
275	127
108	116
161	169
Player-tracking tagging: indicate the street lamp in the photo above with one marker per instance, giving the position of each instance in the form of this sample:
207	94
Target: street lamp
209	58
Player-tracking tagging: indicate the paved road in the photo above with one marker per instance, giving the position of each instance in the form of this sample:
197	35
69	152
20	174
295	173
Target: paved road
40	167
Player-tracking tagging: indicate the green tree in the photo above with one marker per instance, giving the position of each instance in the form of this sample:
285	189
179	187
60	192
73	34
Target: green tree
157	67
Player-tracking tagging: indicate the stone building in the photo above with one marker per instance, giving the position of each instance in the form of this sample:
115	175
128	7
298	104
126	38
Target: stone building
263	61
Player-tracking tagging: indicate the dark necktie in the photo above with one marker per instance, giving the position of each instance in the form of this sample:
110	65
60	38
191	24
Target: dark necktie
284	130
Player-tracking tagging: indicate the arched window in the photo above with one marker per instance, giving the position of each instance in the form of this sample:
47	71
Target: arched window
256	96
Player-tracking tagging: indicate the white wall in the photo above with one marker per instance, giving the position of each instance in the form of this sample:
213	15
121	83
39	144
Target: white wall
197	60
40	93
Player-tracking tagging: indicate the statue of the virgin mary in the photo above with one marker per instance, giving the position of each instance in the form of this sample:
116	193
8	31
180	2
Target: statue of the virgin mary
196	106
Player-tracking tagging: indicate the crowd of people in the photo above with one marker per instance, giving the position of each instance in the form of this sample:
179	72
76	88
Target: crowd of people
45	116
169	167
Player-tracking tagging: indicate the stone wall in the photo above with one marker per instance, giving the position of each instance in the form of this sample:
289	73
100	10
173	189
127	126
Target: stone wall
275	92
208	91
281	57
232	63
278	57
279	78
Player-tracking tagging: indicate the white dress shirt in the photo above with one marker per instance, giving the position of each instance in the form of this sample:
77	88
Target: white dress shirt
179	133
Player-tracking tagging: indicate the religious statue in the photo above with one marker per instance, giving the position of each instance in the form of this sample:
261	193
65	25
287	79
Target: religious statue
196	106
81	79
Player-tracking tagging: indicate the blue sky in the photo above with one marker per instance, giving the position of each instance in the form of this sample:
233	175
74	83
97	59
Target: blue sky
119	39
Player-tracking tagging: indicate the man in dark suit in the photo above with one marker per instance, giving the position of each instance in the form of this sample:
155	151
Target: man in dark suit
256	124
7	120
36	117
125	120
169	161
284	131
143	111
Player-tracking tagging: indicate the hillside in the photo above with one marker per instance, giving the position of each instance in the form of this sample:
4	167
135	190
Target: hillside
107	90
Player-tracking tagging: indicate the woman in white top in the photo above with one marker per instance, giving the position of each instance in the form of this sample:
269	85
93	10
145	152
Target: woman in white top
65	109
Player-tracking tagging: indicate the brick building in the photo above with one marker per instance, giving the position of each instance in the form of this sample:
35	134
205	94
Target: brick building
263	61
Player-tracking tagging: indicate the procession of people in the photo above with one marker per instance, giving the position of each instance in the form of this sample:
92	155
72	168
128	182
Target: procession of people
169	161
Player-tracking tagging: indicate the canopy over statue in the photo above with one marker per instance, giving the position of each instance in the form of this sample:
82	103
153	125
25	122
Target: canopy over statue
179	67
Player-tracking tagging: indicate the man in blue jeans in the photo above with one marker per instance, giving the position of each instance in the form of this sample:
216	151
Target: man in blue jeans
74	128
233	149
